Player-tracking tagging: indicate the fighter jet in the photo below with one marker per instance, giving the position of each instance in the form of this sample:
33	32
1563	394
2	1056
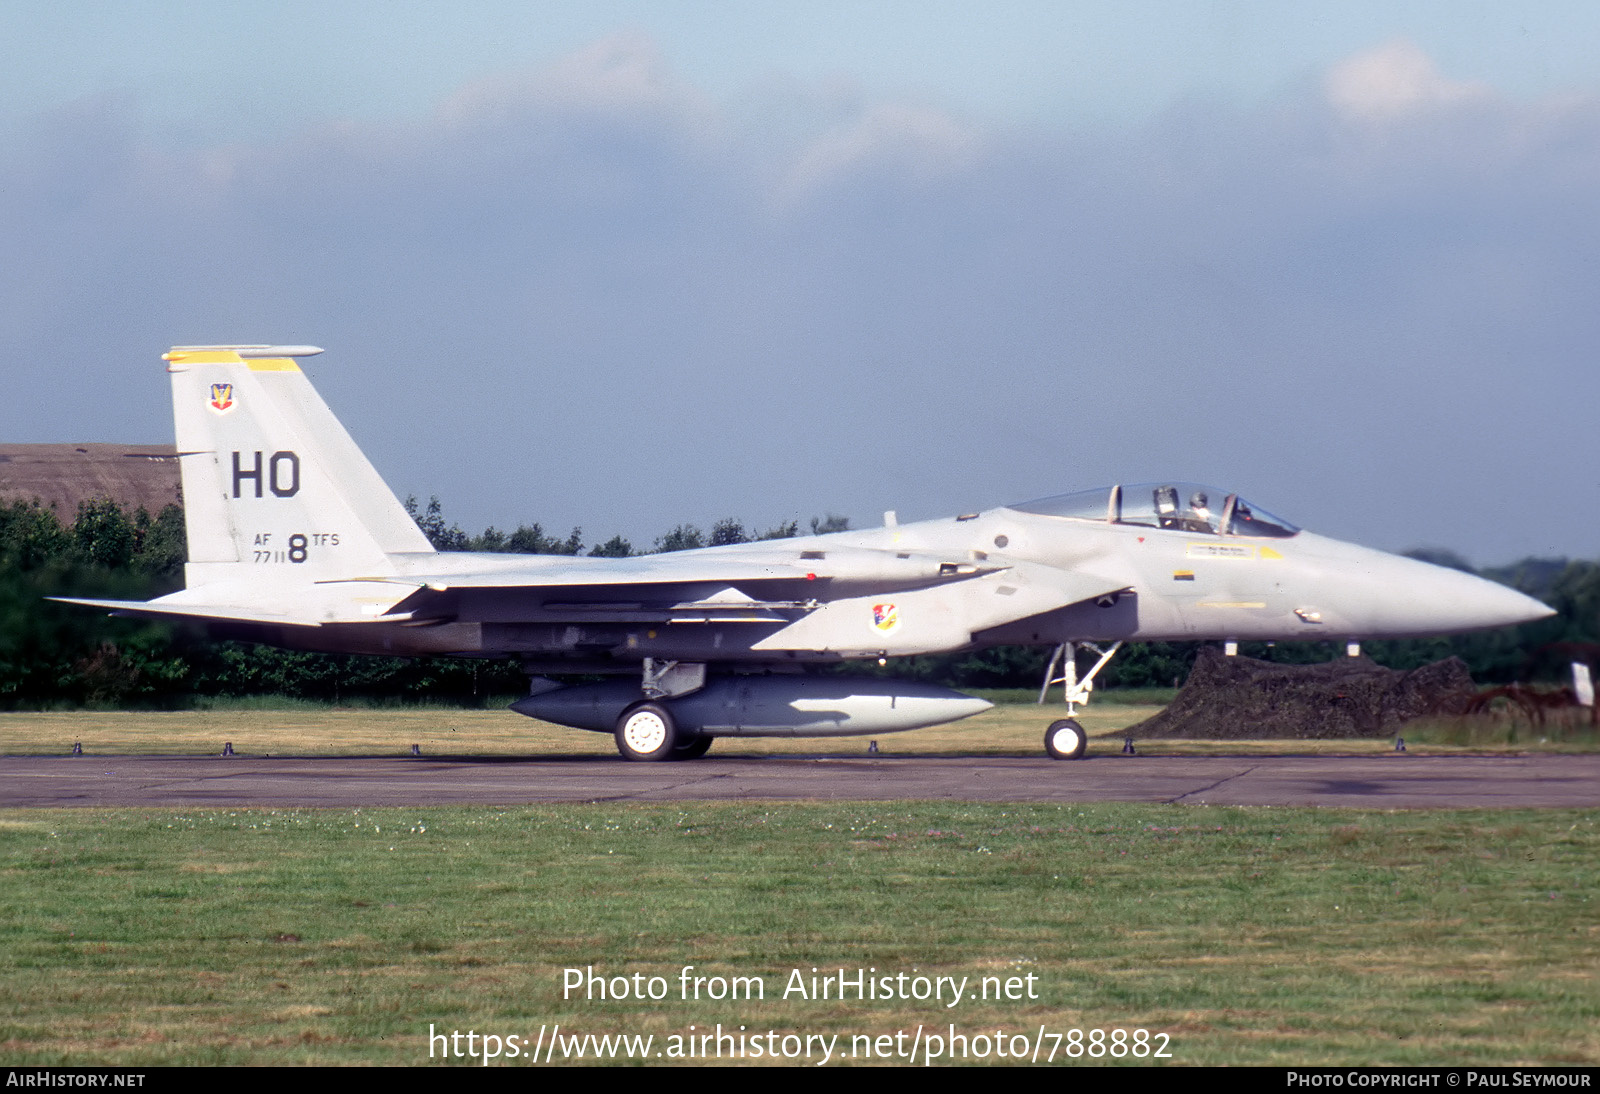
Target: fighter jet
294	540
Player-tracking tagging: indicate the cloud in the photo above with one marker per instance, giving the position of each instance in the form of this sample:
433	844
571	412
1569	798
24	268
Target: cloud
1394	80
564	297
917	144
621	76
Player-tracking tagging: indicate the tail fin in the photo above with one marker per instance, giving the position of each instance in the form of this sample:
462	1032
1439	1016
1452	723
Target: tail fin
273	486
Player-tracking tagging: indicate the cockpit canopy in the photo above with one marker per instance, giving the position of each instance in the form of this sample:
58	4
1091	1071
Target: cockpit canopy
1179	506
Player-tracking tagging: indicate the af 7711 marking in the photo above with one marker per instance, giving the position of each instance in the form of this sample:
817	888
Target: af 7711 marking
722	641
297	546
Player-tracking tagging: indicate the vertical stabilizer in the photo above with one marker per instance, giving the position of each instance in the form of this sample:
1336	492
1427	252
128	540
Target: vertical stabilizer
274	489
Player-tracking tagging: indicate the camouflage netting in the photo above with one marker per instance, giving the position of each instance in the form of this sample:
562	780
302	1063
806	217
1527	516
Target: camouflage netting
1233	698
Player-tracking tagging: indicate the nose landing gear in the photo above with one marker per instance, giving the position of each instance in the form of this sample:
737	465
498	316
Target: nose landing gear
1065	739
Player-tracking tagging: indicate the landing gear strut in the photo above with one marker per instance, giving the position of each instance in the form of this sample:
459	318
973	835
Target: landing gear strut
647	731
1065	739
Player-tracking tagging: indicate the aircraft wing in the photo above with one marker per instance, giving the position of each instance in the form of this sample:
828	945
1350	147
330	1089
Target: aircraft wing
761	586
627	572
830	567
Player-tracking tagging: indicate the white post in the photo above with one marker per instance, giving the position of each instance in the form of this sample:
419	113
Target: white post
1582	684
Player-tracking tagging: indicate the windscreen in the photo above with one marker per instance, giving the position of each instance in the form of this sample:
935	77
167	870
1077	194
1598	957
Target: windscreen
1175	506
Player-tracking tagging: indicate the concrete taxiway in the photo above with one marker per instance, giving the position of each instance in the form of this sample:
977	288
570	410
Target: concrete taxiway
1398	781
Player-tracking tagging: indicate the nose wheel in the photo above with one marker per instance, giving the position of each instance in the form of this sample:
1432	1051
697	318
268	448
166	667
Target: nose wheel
1065	740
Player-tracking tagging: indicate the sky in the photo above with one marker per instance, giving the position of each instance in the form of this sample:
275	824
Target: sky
625	265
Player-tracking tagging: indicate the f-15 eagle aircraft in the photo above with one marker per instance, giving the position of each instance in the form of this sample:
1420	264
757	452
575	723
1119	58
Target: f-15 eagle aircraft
294	540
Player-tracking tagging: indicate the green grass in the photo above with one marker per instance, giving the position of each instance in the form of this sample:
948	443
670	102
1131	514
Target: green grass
136	937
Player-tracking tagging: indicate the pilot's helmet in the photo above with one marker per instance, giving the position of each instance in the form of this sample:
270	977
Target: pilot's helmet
1199	501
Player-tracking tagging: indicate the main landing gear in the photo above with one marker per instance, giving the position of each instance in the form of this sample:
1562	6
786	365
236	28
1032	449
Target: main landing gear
694	748
1065	739
646	731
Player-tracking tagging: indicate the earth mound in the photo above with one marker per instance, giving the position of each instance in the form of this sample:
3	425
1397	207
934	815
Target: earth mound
1237	698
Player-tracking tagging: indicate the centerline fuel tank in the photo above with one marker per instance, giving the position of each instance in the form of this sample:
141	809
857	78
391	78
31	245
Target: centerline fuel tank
765	706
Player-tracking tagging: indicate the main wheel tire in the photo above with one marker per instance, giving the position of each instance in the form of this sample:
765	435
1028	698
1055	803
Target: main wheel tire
646	732
1065	740
693	748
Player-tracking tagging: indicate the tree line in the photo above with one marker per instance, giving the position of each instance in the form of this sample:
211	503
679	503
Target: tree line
54	655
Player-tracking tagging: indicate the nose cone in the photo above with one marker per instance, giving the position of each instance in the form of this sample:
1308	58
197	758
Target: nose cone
1469	603
1389	596
1424	599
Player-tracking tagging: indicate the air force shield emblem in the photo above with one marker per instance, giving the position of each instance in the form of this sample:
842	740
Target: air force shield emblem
885	617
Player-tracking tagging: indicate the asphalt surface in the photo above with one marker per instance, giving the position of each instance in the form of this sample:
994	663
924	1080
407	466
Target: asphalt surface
1396	781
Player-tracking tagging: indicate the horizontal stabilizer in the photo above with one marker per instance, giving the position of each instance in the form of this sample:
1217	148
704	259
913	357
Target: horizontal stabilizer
223	613
202	612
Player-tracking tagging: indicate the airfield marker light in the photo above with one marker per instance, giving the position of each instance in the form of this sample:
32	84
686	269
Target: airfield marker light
416	750
77	748
227	748
1399	744
1127	747
872	748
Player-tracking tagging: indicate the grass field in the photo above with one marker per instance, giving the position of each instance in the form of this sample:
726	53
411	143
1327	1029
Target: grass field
1279	936
1248	936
